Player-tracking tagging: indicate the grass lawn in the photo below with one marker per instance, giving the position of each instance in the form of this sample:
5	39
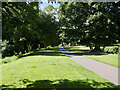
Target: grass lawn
49	69
110	59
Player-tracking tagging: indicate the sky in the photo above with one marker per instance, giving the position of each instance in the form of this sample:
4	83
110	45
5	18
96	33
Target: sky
45	3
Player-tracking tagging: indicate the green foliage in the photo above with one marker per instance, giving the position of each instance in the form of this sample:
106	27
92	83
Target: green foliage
48	47
7	50
113	50
50	69
9	59
89	23
59	45
26	27
107	58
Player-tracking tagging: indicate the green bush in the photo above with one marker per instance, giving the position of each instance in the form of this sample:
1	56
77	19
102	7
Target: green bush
9	59
8	50
60	45
48	47
113	50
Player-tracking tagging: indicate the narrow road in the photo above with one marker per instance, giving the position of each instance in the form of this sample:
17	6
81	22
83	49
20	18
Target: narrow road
106	71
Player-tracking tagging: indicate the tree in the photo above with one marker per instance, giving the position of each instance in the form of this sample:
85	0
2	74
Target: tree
25	27
101	29
17	24
88	23
72	21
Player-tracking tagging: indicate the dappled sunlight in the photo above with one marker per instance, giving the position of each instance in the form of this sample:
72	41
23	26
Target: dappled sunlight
56	46
62	83
46	52
50	71
83	50
111	59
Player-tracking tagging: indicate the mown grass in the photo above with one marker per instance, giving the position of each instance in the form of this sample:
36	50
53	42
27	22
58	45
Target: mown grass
49	69
110	59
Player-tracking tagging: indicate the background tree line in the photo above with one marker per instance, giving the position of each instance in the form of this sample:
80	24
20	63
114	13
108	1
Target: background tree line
91	24
25	27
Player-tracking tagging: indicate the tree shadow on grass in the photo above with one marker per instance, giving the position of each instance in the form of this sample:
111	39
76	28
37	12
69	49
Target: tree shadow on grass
57	52
86	52
91	53
55	49
65	83
82	50
44	54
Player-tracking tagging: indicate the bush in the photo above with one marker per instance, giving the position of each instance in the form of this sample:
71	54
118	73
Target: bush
113	50
7	50
48	47
9	59
60	45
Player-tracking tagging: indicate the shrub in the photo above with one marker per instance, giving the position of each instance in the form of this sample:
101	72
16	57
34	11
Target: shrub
48	47
60	45
113	50
7	49
9	59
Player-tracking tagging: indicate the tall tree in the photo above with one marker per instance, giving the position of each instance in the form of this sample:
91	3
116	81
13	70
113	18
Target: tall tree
25	27
88	23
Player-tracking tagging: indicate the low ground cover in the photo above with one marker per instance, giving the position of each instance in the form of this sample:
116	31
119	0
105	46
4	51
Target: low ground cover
49	69
110	59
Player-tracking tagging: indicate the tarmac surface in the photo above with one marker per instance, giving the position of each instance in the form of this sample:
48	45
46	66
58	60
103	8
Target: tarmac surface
106	71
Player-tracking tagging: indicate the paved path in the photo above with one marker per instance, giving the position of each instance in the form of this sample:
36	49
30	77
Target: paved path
104	70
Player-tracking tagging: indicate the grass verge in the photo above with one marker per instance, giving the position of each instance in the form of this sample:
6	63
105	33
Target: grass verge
110	59
49	69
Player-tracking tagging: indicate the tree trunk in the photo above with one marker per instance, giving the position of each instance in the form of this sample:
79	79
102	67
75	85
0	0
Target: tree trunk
91	48
97	47
42	45
103	47
24	48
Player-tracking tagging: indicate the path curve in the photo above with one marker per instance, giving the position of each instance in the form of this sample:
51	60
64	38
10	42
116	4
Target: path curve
106	71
